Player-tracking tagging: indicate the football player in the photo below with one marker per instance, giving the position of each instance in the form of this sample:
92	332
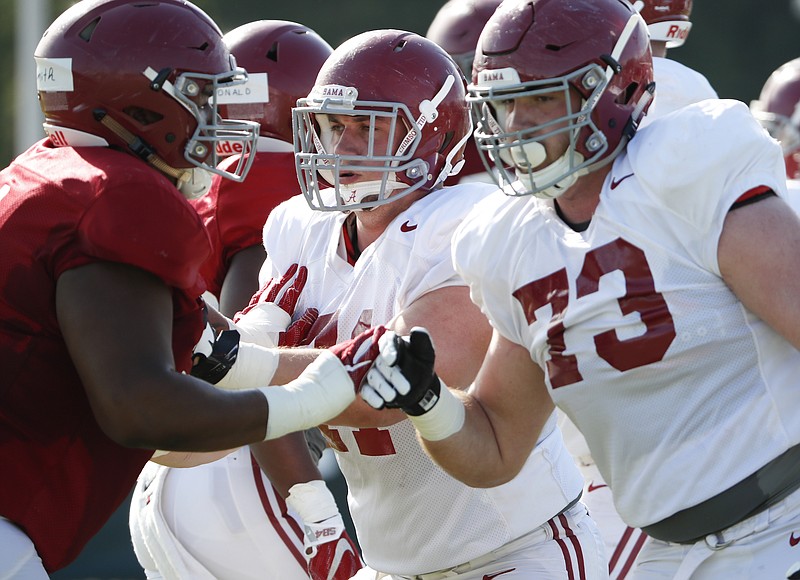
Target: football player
778	110
282	59
384	126
100	254
626	277
677	85
456	28
668	22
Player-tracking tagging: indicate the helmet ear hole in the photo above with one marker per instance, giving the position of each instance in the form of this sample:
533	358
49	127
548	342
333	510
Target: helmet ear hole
143	116
88	31
629	93
448	138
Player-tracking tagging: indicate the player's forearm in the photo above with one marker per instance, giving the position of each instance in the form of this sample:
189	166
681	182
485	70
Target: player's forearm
473	454
292	362
286	461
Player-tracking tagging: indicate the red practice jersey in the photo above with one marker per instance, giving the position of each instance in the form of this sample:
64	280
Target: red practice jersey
62	208
235	213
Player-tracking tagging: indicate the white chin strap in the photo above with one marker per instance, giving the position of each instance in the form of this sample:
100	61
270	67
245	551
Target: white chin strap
357	193
194	183
560	167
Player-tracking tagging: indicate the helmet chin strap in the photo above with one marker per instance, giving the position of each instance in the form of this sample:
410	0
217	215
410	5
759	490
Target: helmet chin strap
192	183
356	193
548	174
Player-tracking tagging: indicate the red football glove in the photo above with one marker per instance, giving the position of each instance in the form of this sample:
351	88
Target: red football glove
269	291
335	559
297	332
358	354
330	553
267	319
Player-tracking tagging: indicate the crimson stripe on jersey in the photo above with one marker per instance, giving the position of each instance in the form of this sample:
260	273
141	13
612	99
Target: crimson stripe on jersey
262	493
750	193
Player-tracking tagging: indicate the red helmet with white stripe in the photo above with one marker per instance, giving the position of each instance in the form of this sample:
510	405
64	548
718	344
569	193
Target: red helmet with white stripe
282	59
410	97
141	76
598	50
667	20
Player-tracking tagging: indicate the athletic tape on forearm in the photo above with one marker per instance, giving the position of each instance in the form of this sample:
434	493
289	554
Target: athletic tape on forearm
254	367
322	391
444	419
312	501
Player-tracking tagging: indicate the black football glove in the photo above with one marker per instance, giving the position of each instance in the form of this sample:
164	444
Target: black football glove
402	376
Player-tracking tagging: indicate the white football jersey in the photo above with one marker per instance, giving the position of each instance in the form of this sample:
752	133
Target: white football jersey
680	392
410	516
677	85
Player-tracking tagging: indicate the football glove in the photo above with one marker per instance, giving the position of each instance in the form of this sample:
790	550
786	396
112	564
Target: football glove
214	354
267	319
358	353
330	553
402	376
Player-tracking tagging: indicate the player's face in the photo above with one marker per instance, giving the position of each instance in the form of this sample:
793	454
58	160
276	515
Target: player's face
540	110
352	135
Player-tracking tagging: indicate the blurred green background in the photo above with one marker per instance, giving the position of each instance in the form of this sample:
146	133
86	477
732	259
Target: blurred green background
735	44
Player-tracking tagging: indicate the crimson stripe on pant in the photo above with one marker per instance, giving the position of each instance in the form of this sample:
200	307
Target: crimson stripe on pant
273	518
565	538
624	541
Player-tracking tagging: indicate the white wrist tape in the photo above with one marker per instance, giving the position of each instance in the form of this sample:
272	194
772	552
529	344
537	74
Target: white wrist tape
322	391
262	324
254	367
444	419
312	501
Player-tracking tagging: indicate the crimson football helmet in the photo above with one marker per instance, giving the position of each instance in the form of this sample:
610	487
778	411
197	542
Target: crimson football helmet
401	86
778	110
282	60
667	20
457	26
597	50
141	76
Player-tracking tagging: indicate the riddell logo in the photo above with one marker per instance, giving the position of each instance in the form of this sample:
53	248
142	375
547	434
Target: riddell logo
225	148
59	139
678	32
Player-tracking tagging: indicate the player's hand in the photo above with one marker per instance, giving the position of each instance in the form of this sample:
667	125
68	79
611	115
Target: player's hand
402	376
271	291
214	354
330	553
358	353
267	319
297	333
